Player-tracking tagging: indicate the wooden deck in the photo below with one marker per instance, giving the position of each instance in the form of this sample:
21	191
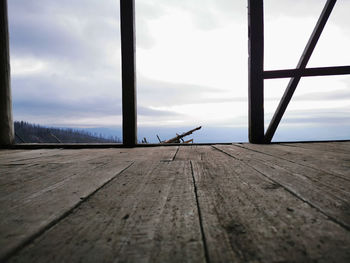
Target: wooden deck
219	203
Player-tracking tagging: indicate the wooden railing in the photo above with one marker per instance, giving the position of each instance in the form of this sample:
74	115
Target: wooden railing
257	73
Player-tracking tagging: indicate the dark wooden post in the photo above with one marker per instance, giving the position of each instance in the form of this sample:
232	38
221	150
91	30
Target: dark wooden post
127	21
256	70
6	121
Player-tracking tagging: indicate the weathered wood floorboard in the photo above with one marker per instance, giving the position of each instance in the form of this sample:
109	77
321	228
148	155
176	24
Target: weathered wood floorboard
147	214
331	162
34	197
338	185
24	218
189	153
19	174
64	155
233	203
320	190
335	147
248	218
7	152
27	156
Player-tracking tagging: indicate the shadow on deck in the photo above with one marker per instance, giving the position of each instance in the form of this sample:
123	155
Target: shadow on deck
219	203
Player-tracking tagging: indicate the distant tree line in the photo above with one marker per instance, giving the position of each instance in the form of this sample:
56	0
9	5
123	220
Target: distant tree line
32	133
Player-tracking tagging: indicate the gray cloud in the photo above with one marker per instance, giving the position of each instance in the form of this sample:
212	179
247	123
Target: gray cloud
58	107
74	39
98	107
68	31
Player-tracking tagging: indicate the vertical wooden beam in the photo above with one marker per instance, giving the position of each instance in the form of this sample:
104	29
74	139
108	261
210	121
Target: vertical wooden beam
293	83
256	70
6	121
127	20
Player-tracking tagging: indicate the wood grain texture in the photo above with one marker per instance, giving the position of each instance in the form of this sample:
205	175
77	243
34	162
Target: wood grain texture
6	121
189	153
25	216
34	196
326	192
324	161
333	147
27	172
220	203
148	214
248	218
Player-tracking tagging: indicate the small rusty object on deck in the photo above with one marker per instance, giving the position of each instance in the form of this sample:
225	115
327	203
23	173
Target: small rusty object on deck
179	137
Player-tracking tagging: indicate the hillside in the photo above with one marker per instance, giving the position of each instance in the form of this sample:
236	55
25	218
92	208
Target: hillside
33	133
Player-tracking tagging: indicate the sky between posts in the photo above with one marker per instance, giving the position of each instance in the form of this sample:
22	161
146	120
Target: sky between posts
192	58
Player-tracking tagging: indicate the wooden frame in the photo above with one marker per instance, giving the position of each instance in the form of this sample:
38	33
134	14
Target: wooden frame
6	121
257	73
127	24
308	72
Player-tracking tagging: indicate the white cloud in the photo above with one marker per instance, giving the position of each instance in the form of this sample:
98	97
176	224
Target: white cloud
27	66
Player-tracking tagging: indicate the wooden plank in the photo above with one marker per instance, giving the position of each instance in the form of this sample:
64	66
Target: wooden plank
335	183
333	147
326	162
148	214
255	71
32	172
6	152
308	72
7	135
33	197
24	178
186	153
161	153
127	29
13	156
328	193
247	218
18	182
344	145
304	59
28	216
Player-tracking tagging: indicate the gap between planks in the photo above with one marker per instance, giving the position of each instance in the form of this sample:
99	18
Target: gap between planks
154	217
28	240
200	217
254	219
290	190
163	154
255	148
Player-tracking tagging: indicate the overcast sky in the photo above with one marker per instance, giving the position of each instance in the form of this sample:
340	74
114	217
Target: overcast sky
191	63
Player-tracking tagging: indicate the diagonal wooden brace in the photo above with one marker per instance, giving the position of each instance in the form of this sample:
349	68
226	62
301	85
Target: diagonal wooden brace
293	83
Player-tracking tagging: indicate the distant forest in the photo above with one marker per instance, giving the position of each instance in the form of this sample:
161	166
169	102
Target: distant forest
32	133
